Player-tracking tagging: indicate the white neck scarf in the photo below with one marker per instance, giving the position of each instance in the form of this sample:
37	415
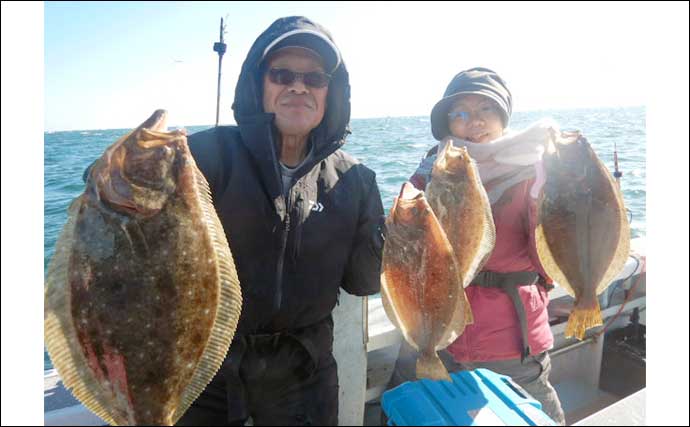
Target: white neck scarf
504	161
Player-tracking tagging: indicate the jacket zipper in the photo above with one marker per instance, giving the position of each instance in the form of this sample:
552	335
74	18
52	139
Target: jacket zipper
278	297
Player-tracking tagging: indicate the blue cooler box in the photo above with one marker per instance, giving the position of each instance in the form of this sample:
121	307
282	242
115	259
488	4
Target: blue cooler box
474	398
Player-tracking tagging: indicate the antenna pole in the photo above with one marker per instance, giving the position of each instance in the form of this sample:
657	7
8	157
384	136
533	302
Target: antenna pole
219	47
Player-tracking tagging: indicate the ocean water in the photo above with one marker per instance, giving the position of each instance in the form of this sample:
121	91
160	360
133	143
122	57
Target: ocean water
392	147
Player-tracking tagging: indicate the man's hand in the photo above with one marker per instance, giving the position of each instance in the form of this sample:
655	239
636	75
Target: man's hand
85	176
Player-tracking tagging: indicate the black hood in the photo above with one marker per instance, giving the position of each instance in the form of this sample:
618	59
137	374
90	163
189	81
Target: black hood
248	103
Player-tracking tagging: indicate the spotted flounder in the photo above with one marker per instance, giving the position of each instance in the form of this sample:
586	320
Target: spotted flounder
142	297
582	236
460	202
420	285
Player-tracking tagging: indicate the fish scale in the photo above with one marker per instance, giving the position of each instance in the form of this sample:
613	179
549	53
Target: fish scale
135	328
420	286
582	235
461	204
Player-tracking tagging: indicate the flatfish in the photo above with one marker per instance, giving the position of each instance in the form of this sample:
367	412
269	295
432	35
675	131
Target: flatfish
142	297
420	285
582	236
460	202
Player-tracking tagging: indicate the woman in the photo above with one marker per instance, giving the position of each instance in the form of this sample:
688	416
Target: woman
511	333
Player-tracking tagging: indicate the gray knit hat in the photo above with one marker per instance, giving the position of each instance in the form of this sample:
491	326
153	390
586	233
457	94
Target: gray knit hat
478	81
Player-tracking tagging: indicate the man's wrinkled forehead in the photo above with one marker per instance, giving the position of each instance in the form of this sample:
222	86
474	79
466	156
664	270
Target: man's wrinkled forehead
297	52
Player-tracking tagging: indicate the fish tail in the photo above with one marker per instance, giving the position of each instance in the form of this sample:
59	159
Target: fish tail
430	366
583	317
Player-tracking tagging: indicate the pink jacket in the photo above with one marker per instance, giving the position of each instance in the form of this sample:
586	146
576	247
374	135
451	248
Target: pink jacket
495	334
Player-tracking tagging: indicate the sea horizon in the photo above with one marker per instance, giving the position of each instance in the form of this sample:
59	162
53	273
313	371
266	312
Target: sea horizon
532	111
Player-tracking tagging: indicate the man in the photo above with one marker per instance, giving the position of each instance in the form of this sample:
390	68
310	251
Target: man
302	218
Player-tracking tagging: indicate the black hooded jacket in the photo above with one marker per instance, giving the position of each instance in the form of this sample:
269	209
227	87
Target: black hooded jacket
292	253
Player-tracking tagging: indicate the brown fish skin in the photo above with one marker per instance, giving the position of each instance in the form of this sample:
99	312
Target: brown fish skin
139	295
583	236
460	202
420	287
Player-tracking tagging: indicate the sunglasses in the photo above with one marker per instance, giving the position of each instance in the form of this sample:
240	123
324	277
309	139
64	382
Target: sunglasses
285	77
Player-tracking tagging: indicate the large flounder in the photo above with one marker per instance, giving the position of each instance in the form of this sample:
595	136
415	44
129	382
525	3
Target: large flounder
142	297
583	236
460	202
420	285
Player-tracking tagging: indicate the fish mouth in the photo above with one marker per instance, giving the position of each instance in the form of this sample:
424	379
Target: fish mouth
149	132
452	158
158	122
134	178
409	192
451	151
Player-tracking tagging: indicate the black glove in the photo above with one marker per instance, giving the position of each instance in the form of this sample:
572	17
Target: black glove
85	176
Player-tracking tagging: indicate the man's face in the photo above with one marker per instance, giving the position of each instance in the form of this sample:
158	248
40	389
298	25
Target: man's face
298	108
475	118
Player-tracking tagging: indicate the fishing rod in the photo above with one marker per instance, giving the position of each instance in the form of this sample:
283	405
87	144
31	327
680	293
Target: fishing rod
617	173
219	47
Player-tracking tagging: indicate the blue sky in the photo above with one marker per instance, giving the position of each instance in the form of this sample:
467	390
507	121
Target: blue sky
109	64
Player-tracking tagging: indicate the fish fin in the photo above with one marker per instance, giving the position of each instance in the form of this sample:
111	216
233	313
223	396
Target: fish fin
623	248
228	308
487	244
488	241
462	317
548	261
469	317
430	366
385	300
59	332
583	318
389	309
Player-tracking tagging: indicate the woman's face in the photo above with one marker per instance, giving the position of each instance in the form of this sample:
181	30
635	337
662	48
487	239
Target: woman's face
475	118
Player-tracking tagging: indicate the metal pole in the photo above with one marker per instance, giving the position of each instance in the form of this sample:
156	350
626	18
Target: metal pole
219	47
365	320
571	347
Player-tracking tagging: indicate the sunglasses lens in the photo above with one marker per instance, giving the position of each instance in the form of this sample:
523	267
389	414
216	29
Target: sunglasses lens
316	79
281	76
